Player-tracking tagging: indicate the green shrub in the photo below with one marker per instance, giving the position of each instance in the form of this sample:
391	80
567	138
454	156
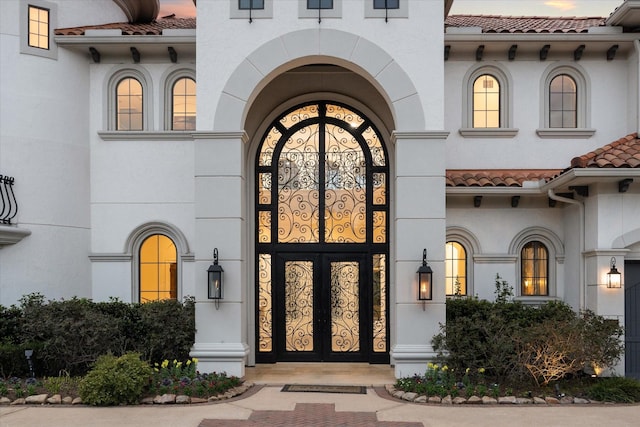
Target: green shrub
514	342
615	389
70	335
166	330
10	324
116	380
478	334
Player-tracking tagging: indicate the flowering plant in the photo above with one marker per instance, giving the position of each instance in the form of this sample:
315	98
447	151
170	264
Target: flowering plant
177	377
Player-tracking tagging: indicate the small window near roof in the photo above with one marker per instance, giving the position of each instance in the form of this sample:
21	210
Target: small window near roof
386	4
184	104
534	260
38	27
319	4
250	4
563	102
486	102
129	104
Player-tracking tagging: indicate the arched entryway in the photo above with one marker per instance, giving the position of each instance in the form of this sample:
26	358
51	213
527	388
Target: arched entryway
322	244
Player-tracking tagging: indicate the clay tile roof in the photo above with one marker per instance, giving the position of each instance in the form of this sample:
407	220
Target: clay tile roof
497	177
623	153
154	28
524	24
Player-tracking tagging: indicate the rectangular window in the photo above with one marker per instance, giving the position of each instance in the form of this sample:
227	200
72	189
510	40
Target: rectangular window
386	4
38	27
319	4
250	4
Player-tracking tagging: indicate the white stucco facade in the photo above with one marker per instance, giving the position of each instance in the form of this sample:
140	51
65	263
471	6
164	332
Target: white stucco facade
89	194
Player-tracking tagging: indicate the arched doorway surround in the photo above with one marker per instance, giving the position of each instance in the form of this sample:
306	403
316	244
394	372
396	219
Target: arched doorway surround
313	46
322	245
228	348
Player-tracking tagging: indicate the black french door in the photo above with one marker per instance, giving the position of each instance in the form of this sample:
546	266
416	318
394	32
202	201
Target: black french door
321	307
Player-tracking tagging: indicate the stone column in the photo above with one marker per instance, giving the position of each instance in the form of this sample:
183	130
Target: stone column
419	200
220	216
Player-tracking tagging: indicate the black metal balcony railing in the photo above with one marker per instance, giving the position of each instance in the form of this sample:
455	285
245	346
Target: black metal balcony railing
8	203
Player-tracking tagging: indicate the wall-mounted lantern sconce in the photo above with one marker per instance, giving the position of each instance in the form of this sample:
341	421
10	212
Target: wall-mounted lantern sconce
425	276
214	279
613	276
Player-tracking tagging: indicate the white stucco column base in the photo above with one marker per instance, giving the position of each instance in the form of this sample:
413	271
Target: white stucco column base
410	359
221	357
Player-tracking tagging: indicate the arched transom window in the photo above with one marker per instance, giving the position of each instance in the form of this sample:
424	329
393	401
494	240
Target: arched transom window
321	166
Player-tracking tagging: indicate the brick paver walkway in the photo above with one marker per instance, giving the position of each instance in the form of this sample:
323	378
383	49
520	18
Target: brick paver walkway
309	414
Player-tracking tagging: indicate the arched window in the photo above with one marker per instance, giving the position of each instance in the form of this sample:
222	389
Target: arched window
534	271
129	104
486	102
455	265
158	269
487	107
563	102
183	111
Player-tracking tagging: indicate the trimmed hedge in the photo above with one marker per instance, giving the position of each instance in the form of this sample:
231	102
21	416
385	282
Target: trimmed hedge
70	335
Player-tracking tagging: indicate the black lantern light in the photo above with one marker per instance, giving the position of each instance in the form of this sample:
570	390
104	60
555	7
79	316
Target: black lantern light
613	276
214	279
425	275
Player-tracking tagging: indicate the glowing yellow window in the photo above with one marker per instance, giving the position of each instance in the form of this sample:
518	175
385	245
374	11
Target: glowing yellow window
534	269
486	102
158	269
455	269
38	27
184	104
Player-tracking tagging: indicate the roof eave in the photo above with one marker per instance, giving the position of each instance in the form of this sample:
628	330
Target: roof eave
586	176
539	37
84	41
493	191
626	15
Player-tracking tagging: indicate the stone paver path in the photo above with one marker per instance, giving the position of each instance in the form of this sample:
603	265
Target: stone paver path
309	414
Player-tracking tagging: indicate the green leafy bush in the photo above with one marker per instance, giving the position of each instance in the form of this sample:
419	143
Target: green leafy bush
116	380
73	334
166	330
615	389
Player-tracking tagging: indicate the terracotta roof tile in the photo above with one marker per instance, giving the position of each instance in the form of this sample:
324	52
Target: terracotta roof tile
154	28
623	153
524	24
488	23
496	177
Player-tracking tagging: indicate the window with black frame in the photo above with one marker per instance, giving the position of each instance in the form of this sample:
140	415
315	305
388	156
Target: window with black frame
319	4
250	4
386	4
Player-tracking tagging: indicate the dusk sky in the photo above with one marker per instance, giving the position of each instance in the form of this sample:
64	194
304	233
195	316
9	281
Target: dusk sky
185	8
